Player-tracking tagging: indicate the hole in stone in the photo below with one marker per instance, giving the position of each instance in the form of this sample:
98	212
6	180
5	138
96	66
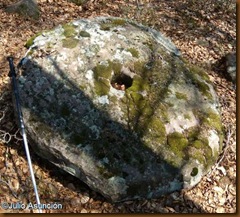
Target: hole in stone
121	81
194	171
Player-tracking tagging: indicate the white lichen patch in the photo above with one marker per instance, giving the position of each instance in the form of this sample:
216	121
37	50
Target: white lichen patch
181	122
118	184
115	92
89	75
102	100
213	141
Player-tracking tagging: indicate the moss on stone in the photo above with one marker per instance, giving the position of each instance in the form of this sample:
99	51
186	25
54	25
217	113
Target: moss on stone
102	76
149	44
177	143
210	118
187	116
199	147
139	84
101	86
147	110
112	23
198	77
134	52
139	108
170	104
193	133
105	70
115	66
69	30
84	34
181	96
105	172
139	67
198	144
157	130
69	43
199	71
30	41
203	88
163	111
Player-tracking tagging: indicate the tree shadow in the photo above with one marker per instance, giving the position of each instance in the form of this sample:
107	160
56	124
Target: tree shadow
191	17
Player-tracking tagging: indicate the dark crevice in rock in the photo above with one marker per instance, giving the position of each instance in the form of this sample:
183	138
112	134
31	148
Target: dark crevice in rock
121	82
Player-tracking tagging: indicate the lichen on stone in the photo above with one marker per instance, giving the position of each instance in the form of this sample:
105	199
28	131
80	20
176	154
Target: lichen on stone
122	110
84	34
134	52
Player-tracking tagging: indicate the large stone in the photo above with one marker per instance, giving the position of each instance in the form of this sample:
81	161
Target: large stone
113	103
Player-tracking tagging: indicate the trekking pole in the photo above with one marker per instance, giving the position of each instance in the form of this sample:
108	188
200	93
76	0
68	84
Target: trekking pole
12	74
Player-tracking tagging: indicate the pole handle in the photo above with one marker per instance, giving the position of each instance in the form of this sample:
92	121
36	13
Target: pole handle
12	71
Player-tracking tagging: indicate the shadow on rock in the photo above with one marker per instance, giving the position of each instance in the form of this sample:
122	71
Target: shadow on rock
70	131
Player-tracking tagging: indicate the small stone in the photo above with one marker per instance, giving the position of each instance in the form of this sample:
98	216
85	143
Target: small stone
85	198
76	202
220	210
84	211
71	186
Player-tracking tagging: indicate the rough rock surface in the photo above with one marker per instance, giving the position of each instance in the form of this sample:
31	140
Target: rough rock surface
114	103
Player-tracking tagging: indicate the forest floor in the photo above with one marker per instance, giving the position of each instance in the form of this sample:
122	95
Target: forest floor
204	31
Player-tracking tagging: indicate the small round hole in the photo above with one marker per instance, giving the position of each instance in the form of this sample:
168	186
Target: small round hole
121	81
194	171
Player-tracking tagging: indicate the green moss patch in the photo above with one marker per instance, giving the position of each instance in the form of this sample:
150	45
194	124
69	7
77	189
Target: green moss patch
210	118
84	34
158	131
199	71
181	96
104	172
134	52
30	41
102	76
112	23
139	84
101	86
69	33
177	143
69	30
199	147
69	42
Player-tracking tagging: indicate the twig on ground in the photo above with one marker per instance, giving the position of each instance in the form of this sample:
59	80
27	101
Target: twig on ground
227	144
8	185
